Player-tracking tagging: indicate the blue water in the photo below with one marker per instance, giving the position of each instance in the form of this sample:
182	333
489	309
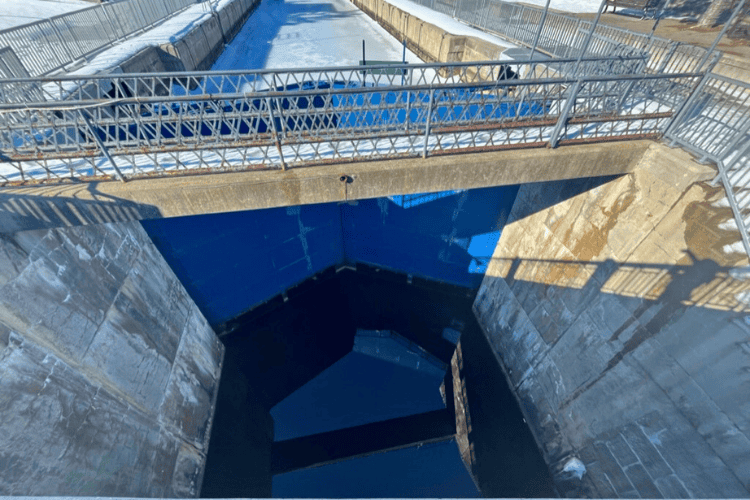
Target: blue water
233	261
359	390
335	111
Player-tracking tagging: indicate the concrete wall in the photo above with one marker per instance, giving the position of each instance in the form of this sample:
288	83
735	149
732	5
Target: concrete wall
445	236
198	48
108	371
620	318
231	262
430	43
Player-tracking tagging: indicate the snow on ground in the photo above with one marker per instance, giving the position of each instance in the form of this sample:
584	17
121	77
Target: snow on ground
306	34
575	6
169	31
18	12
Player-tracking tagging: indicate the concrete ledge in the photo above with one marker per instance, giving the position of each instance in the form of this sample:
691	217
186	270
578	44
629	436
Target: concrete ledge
197	49
34	207
429	42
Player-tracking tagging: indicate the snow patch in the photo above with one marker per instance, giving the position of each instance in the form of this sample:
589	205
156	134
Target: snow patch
186	390
19	12
82	253
729	225
740	273
655	438
575	468
736	247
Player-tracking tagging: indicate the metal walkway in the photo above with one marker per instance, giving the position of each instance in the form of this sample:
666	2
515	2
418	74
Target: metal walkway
628	87
134	125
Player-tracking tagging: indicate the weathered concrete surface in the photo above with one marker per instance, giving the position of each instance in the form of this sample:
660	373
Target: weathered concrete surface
199	48
621	319
108	371
33	207
195	49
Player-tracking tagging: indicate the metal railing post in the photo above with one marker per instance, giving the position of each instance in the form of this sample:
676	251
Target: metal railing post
75	38
668	57
112	26
101	144
427	124
739	136
733	203
554	136
486	14
62	42
275	132
576	33
590	34
679	115
628	89
536	37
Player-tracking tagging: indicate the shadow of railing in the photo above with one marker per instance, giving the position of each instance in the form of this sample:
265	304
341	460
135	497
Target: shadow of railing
23	209
702	283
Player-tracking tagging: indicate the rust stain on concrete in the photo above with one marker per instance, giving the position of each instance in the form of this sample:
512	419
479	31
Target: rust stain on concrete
593	242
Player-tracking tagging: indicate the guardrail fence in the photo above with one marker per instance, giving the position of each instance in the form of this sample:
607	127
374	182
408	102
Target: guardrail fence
563	35
131	125
713	123
51	44
715	126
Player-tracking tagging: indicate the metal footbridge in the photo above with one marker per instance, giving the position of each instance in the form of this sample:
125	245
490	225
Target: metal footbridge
57	128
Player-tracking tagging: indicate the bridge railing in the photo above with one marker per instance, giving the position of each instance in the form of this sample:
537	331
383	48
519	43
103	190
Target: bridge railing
715	126
714	123
134	125
563	35
50	44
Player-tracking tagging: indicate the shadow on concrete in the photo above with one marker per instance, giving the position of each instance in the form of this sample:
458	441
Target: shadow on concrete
23	209
547	194
575	338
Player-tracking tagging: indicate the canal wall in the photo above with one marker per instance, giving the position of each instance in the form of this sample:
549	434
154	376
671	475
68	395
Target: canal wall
443	236
109	370
429	42
199	47
619	316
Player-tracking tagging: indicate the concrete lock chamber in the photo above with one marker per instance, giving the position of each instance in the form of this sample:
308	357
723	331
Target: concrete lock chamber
536	322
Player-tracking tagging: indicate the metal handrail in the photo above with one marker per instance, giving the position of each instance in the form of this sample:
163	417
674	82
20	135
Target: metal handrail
273	119
562	35
713	123
50	44
69	90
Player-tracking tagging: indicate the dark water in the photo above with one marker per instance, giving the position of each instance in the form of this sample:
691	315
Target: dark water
357	390
306	388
